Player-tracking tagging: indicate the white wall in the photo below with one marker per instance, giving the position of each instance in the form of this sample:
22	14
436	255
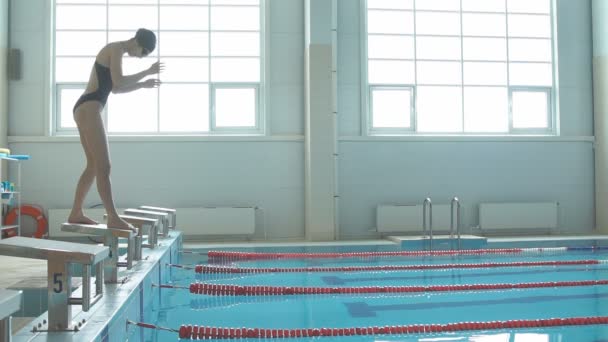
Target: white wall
268	172
476	170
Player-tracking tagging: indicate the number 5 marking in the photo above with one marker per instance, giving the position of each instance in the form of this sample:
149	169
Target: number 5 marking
57	282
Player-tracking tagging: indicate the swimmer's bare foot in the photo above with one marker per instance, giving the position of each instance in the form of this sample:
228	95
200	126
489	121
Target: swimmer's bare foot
81	218
118	223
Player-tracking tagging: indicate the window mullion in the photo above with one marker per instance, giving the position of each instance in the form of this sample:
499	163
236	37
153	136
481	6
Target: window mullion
462	67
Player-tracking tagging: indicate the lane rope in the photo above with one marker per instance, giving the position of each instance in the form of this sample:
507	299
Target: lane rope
211	269
257	290
194	332
230	255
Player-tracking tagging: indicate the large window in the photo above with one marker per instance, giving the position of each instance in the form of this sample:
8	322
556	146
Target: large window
459	67
212	51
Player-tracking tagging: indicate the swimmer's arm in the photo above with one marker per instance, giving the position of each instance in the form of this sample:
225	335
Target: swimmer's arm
123	83
128	88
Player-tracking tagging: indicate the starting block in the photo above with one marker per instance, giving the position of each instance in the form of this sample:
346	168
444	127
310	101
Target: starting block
142	224
10	302
59	256
163	218
110	237
172	214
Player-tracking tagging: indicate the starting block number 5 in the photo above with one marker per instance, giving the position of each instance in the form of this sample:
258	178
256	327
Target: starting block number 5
58	282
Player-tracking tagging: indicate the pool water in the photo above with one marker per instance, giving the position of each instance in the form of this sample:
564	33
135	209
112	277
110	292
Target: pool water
175	307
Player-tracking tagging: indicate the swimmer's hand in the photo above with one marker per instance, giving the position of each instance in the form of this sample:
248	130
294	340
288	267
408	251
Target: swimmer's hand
151	83
156	68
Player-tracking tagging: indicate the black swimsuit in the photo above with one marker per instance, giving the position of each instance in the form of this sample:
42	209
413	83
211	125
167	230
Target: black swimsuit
104	79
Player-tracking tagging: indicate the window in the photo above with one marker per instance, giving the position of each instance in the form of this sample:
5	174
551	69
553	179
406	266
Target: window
459	67
211	49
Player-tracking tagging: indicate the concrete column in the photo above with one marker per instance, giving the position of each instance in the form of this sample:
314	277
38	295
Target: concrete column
600	104
320	135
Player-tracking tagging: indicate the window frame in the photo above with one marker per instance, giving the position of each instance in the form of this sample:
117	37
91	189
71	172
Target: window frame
552	91
212	117
260	87
392	130
550	119
57	111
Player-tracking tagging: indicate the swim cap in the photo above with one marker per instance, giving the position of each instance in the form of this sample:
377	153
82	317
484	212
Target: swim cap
146	39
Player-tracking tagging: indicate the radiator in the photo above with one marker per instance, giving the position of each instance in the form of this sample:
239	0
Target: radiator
216	221
190	221
408	218
512	216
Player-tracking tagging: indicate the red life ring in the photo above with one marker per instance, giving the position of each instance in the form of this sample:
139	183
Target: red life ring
36	213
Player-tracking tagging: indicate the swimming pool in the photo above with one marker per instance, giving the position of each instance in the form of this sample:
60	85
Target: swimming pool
440	297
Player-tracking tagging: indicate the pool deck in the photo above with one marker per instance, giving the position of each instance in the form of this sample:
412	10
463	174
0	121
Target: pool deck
108	316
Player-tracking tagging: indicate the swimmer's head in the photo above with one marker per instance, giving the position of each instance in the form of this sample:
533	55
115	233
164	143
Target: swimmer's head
146	40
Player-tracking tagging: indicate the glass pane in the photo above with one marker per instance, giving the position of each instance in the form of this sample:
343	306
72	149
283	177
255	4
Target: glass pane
477	24
529	6
115	36
438	48
530	74
184	108
532	50
438	5
401	47
185	70
184	18
184	2
81	1
74	43
235	44
135	112
485	73
236	2
122	17
68	100
235	107
530	109
483	5
439	109
486	110
133	2
391	4
391	108
235	69
73	69
235	18
533	26
426	23
400	22
488	49
174	44
448	73
80	17
391	72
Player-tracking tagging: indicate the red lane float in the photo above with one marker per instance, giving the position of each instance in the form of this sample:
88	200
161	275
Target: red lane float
259	255
207	269
205	332
237	290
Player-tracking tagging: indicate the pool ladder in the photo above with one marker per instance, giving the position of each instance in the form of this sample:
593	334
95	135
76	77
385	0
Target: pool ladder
455	205
427	220
428	203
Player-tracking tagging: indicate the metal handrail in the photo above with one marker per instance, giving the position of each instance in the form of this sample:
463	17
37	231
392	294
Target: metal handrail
455	204
427	201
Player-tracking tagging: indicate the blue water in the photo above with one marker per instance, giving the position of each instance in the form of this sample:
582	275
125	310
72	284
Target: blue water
174	307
